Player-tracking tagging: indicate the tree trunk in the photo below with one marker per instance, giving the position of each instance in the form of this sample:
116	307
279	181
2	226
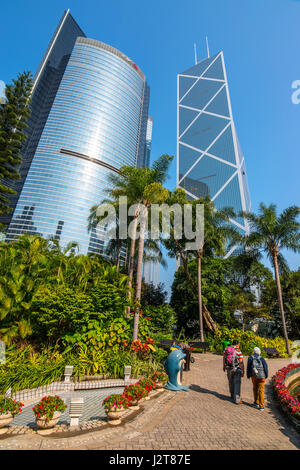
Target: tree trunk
208	319
212	326
199	259
139	274
278	285
118	257
132	250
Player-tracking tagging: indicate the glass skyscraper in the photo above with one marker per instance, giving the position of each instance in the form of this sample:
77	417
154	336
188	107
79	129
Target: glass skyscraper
46	82
151	268
95	124
209	157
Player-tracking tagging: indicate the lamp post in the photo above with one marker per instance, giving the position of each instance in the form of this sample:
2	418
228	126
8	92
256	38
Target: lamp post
127	372
68	372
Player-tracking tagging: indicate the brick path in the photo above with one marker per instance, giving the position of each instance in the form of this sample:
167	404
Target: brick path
203	418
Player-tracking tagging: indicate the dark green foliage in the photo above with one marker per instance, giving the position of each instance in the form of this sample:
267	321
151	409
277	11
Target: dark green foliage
62	314
69	291
109	300
153	295
54	312
14	113
162	317
290	284
216	293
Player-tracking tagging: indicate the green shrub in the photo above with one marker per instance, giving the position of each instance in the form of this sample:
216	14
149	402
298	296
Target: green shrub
163	318
59	310
248	341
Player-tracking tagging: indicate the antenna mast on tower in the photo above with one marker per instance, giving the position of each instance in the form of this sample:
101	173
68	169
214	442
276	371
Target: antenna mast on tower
195	54
207	48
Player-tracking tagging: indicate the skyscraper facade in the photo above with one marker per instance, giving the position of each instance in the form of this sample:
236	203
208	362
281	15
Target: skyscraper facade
151	271
209	157
93	127
46	82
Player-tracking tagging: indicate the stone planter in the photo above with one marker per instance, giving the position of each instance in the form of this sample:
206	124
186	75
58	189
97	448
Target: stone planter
159	386
43	424
134	405
5	420
115	415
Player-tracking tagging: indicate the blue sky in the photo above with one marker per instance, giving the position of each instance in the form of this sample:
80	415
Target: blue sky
260	41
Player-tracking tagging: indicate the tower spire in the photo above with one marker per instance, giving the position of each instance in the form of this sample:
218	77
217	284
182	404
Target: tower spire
195	54
207	48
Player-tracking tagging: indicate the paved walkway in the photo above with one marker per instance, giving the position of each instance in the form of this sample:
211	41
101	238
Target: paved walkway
203	418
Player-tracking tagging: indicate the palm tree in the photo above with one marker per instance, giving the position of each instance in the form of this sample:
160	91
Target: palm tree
270	233
61	256
23	266
154	193
115	244
218	236
132	183
142	187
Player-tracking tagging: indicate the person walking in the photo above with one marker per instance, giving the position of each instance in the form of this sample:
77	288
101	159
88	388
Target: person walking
257	370
233	363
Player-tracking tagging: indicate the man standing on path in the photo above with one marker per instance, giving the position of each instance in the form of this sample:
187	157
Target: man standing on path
257	369
233	363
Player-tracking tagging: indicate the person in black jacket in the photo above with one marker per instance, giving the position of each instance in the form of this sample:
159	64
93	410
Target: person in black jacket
257	370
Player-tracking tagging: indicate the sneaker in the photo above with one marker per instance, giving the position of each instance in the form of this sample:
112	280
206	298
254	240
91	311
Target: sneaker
261	409
255	404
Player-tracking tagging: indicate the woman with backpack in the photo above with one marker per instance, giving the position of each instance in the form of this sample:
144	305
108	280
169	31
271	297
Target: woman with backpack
233	364
257	370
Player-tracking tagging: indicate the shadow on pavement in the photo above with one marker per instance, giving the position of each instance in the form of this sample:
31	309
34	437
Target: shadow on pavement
284	425
220	396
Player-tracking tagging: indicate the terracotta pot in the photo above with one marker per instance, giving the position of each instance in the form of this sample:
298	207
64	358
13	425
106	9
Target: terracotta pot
5	419
43	424
115	415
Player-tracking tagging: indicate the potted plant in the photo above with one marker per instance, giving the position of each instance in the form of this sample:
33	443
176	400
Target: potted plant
134	393
115	406
149	385
8	409
48	410
160	379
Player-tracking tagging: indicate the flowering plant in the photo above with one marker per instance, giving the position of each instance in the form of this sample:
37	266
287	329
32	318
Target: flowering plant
143	349
135	392
48	406
160	377
282	392
115	402
10	406
147	384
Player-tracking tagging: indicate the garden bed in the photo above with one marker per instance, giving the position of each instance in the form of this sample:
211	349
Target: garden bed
289	404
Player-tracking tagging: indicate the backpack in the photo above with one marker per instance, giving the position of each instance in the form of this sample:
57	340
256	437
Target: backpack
231	358
258	368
